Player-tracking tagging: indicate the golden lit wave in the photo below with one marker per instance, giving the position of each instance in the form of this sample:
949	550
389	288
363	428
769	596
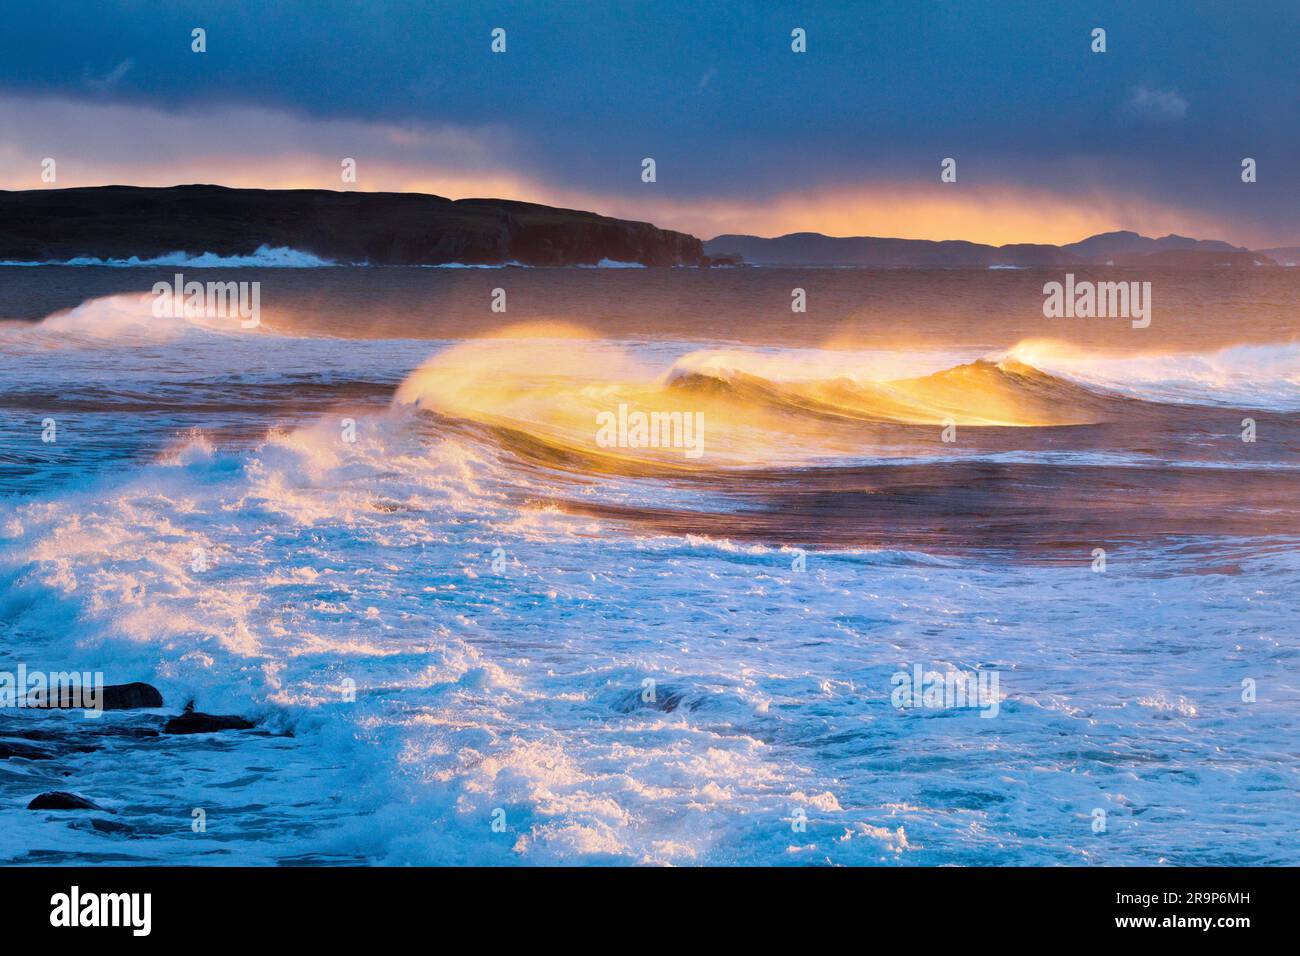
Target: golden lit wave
559	385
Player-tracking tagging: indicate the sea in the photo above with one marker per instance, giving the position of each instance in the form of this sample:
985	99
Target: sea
524	566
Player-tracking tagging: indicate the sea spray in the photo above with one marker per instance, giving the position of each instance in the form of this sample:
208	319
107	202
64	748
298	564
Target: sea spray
196	300
684	430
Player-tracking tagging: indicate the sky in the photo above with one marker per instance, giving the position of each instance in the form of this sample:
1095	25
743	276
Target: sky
1052	141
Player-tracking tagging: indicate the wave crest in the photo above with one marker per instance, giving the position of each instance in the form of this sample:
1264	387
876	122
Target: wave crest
264	257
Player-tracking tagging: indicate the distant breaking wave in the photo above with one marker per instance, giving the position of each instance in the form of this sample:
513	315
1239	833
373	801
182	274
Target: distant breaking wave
280	257
265	257
512	264
614	264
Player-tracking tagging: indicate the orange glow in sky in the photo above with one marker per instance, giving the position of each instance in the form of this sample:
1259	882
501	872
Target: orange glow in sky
272	150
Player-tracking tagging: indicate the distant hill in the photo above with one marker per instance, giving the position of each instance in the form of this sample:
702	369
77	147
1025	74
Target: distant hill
118	222
1196	259
1119	248
1108	244
1283	255
815	249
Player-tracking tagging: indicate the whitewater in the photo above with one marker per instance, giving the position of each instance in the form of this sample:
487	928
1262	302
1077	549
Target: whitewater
452	620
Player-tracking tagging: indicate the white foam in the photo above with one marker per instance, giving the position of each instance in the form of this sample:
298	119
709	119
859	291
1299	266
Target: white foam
512	264
124	320
265	257
373	561
1263	375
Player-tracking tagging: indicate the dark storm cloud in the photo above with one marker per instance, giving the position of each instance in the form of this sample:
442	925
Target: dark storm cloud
714	93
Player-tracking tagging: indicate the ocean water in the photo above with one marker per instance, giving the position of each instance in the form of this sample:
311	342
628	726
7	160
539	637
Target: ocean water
383	525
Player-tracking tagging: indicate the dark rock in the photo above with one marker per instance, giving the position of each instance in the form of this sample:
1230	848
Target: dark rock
346	227
100	825
62	800
114	697
85	737
129	696
9	749
193	722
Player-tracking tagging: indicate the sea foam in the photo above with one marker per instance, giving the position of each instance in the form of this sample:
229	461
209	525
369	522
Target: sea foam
264	257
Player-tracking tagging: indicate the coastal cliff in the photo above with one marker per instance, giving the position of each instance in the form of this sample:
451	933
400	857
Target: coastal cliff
118	222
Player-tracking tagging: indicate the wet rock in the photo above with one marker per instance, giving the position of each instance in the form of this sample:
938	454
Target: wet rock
10	749
36	743
130	696
193	722
113	697
38	746
62	800
100	825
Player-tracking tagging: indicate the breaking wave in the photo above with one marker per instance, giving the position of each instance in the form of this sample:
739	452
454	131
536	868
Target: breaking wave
550	383
264	257
495	591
